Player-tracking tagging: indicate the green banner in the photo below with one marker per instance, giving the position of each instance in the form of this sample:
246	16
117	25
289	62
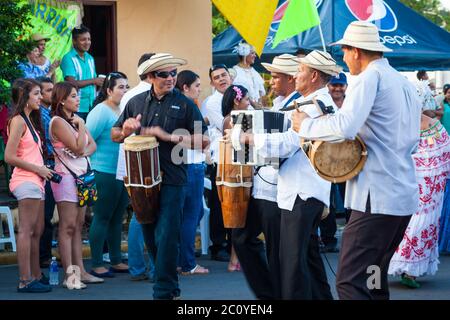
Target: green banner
55	20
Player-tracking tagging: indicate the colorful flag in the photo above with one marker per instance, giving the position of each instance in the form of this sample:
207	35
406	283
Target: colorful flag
251	18
300	15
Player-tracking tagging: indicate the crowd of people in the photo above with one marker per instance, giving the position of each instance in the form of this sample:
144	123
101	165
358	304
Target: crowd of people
397	209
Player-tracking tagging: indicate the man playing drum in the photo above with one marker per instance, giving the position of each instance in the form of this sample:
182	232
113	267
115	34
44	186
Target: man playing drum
159	112
301	193
383	108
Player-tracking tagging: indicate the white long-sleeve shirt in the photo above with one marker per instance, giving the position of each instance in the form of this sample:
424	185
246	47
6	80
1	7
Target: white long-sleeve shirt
141	87
212	110
267	190
296	176
383	108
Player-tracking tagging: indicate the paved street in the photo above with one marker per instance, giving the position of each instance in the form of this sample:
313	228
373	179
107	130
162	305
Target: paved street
218	285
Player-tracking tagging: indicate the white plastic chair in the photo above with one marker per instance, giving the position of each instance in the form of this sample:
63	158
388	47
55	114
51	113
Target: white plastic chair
204	222
11	238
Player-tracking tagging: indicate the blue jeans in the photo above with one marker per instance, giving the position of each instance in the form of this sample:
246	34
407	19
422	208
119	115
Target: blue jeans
192	213
163	239
136	259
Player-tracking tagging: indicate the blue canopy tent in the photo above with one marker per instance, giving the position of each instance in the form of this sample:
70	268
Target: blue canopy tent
416	41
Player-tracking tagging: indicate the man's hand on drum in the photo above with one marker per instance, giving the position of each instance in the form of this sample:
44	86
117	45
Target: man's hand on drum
297	119
131	125
157	132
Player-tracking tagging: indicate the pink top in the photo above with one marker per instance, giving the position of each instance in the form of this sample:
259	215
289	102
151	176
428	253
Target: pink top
28	150
77	164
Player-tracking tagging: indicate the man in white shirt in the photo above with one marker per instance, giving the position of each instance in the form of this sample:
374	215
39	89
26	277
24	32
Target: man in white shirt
383	108
261	263
301	193
212	112
136	259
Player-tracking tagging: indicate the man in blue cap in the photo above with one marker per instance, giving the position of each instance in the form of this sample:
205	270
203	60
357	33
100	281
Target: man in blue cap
337	87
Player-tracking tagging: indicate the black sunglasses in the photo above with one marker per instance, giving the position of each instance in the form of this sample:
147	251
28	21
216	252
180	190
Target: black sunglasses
216	67
165	74
113	74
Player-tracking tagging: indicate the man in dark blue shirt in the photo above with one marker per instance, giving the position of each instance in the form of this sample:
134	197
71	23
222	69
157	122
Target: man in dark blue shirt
45	246
176	122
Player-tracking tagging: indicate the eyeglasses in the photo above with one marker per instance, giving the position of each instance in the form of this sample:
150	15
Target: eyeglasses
216	67
165	74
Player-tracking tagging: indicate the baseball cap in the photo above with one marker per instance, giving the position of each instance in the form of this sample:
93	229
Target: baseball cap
341	78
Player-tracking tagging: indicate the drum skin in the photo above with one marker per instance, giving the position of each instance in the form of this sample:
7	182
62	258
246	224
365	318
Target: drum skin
338	162
234	192
145	201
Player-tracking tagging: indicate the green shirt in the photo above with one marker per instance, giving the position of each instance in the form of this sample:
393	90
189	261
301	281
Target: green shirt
99	123
72	65
445	120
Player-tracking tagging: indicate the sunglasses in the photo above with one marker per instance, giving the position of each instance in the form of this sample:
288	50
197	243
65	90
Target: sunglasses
113	74
165	74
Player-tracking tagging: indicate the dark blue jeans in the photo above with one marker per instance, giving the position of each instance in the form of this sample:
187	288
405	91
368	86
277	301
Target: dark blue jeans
163	240
192	213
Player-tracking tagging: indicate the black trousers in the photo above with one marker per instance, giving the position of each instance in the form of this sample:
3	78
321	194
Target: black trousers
368	243
260	264
303	275
219	235
45	243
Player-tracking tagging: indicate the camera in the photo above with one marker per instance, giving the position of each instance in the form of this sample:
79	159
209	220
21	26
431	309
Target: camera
56	178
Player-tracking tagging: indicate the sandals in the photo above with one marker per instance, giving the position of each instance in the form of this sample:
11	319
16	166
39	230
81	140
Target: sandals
234	267
78	286
92	280
34	286
198	269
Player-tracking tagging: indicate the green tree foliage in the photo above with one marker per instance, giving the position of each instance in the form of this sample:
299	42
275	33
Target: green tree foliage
13	46
219	23
430	9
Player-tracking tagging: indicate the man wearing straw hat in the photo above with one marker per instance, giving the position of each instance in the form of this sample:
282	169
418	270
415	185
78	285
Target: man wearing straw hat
301	193
261	264
383	108
159	112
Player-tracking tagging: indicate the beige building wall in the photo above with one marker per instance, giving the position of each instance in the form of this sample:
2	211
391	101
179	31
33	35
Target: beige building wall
180	27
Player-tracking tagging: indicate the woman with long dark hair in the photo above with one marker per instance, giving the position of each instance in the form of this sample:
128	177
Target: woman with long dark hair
25	151
188	83
234	98
72	145
112	195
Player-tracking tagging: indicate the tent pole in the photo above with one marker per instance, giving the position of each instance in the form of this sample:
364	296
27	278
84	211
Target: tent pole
321	38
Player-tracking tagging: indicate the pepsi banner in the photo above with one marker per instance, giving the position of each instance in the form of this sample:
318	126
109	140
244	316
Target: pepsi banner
417	43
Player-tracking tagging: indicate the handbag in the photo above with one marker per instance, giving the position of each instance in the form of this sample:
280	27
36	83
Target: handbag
86	186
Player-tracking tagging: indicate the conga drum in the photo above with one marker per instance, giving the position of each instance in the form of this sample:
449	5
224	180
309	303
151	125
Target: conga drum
337	162
234	184
143	176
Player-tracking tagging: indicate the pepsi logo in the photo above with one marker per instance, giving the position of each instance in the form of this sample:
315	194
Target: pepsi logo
375	11
279	13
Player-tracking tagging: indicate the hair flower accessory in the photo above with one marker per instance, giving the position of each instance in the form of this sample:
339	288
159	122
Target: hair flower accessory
238	93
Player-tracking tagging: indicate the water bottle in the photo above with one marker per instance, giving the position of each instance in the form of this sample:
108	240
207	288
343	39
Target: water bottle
54	273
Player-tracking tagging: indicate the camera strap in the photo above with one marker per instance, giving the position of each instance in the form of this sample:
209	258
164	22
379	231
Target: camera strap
33	132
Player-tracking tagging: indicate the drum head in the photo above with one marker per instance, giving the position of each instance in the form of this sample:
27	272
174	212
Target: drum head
139	143
338	162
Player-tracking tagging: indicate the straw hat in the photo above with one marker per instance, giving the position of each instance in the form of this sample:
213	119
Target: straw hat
362	35
283	64
159	61
322	61
38	37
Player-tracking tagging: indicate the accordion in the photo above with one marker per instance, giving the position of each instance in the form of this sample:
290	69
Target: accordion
256	121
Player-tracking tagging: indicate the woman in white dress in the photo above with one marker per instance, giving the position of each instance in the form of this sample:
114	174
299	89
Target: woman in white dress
247	76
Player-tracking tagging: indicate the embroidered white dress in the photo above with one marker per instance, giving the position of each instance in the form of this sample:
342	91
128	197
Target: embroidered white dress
418	253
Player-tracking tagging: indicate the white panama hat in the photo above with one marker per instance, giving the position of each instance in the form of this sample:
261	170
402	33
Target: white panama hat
322	61
284	63
159	61
362	35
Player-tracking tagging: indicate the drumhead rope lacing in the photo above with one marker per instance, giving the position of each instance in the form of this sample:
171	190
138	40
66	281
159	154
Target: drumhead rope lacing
155	181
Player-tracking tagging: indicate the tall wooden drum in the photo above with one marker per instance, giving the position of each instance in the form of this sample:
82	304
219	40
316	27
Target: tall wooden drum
234	184
337	162
143	176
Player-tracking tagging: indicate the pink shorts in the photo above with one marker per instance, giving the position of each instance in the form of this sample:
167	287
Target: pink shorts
66	190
